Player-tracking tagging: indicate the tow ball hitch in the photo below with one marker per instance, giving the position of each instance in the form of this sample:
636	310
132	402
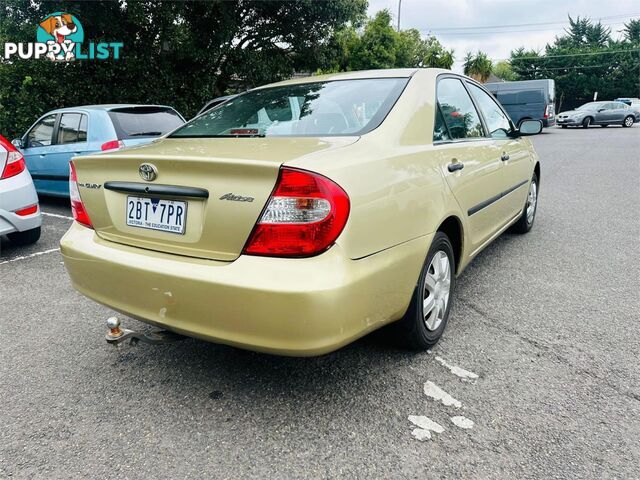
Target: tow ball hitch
116	335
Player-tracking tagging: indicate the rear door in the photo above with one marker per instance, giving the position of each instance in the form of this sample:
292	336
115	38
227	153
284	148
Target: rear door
70	139
513	153
37	143
469	160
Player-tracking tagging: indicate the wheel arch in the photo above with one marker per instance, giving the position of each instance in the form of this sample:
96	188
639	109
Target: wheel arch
452	228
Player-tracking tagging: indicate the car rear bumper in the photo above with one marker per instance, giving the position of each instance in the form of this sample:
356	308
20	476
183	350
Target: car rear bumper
548	122
295	307
17	193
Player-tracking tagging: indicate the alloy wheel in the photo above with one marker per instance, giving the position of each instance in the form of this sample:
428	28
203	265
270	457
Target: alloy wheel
437	287
628	121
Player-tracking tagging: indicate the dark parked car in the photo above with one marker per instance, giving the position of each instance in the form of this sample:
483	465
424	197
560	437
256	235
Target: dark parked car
599	113
215	102
527	99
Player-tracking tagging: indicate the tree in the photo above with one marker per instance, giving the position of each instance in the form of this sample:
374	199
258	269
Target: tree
176	53
583	61
503	70
478	66
632	31
379	45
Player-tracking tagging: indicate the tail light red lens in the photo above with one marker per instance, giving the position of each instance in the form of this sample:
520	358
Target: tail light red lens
27	211
80	214
304	216
111	145
15	161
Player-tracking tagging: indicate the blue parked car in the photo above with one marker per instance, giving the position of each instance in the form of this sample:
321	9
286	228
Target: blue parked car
61	134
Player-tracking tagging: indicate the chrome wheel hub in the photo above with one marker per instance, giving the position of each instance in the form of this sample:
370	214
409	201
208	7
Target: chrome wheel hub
628	121
532	200
437	286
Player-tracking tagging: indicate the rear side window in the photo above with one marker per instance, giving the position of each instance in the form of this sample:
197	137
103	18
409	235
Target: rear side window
440	132
69	128
521	97
138	122
40	135
497	121
458	111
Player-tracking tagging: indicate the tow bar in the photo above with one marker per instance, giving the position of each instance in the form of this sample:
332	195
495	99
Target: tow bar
116	335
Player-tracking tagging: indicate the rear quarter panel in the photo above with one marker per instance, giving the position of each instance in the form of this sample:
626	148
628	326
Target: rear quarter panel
392	175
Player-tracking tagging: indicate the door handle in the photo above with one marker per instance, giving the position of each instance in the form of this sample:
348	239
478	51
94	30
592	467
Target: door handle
42	155
452	167
504	157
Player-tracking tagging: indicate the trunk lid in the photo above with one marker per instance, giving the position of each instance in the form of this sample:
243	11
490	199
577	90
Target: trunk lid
231	170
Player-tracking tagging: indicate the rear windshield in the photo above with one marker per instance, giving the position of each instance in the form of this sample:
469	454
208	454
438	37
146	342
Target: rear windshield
342	107
140	122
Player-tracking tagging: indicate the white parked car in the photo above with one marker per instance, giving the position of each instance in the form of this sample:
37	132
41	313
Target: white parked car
20	217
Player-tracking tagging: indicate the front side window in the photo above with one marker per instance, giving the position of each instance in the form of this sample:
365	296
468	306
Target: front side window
40	135
459	113
341	107
497	122
69	128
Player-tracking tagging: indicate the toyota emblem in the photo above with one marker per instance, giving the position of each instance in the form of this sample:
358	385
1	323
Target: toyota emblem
148	172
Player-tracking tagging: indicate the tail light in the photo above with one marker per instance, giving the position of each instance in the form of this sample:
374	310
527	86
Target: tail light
80	214
111	145
27	211
548	111
304	216
15	161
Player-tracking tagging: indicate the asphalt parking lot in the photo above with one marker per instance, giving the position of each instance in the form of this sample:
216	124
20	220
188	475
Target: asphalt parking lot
547	321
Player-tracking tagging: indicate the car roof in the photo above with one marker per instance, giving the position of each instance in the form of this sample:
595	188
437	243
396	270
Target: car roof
356	75
106	107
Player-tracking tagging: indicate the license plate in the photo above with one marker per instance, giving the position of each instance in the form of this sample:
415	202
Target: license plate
157	214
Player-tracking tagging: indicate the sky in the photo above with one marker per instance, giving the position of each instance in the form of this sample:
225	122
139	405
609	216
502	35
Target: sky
450	20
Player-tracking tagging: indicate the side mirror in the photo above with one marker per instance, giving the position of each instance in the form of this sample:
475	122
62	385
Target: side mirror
530	127
17	142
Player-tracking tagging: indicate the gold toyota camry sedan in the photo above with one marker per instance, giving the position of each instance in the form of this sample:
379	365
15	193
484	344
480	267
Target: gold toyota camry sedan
301	215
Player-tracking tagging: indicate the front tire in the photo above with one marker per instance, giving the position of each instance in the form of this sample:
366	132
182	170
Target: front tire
628	122
525	222
586	122
426	318
25	238
563	126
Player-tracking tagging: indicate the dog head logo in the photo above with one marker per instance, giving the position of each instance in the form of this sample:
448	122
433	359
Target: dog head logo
64	29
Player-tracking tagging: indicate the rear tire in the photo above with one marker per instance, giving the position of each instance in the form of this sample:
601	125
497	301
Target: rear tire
25	238
525	222
416	330
563	126
628	122
586	122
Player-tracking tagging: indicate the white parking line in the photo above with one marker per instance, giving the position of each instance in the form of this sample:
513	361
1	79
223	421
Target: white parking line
56	215
459	372
426	427
25	257
439	395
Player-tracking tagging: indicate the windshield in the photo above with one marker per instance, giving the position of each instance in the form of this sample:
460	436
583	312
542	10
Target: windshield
134	122
589	106
342	107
